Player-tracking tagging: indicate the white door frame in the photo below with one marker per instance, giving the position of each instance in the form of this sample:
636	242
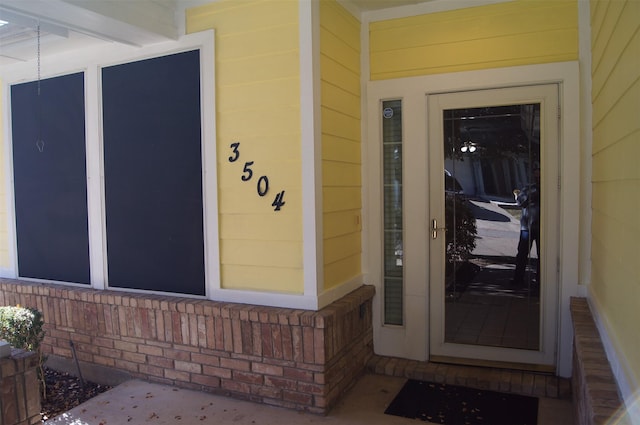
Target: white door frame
410	341
547	96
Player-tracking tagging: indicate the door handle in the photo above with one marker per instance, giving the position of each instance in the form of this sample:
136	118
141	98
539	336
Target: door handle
435	228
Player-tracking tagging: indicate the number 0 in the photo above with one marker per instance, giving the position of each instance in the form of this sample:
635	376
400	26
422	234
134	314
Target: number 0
263	185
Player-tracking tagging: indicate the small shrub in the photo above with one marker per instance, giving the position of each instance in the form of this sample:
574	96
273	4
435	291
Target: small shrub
23	328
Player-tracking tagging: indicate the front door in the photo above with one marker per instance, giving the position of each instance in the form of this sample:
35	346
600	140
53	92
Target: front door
492	193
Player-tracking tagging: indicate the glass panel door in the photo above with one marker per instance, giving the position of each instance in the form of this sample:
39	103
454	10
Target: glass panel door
492	218
495	279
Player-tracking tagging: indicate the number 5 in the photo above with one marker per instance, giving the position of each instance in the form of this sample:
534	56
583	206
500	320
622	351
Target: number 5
248	171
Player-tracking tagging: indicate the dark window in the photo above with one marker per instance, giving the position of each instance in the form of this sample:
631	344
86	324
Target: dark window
50	180
153	174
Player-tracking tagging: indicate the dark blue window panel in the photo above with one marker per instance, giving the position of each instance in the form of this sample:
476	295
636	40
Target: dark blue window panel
50	180
153	174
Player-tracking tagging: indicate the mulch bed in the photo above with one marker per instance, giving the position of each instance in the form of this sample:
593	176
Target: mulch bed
65	392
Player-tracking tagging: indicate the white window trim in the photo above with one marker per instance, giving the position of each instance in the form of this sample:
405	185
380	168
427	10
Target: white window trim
91	61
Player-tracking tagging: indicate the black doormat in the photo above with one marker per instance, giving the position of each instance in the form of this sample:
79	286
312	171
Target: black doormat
455	405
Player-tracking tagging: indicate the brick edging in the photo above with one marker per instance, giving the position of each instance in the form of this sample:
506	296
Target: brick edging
596	398
485	378
20	395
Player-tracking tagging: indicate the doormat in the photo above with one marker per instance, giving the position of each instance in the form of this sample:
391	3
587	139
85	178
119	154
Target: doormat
455	405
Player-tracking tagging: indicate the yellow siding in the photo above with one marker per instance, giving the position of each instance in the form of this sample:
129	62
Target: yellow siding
4	231
341	199
341	169
616	175
348	266
257	104
521	32
247	277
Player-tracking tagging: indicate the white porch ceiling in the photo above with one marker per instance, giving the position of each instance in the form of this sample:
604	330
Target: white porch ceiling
369	5
72	24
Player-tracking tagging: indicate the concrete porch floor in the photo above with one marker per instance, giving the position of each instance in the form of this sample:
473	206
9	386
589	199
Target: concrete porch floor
139	402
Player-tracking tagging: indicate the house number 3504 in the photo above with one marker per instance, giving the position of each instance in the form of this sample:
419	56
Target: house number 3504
262	186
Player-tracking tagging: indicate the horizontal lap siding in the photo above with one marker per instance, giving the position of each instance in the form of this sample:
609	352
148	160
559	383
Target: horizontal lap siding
514	33
341	168
257	104
615	41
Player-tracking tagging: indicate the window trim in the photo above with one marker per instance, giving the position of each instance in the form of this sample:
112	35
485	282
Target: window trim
90	62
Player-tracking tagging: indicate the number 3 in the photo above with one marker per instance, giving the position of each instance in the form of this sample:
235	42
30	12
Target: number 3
236	152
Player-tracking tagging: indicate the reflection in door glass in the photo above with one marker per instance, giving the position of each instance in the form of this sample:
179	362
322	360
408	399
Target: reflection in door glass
492	216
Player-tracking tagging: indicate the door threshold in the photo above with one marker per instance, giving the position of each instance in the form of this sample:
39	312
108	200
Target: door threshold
538	368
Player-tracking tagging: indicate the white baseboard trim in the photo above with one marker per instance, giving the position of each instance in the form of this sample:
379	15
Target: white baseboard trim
339	291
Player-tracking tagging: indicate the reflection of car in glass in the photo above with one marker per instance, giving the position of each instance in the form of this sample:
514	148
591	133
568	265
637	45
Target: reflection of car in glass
460	222
451	184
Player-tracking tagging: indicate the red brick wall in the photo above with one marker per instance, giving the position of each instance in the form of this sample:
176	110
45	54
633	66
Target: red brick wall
19	389
298	359
595	392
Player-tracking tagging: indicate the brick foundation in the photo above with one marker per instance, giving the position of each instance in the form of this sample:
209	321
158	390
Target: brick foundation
297	359
483	378
595	392
19	389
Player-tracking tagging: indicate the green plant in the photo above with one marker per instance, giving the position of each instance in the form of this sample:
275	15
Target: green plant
23	328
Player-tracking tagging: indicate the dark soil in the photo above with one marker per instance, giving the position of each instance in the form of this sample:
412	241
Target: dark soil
65	392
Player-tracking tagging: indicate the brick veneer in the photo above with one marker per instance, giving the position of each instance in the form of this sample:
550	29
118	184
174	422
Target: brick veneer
484	378
297	359
595	393
19	389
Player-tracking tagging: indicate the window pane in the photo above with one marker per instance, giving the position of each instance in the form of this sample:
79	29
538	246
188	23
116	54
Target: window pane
393	226
492	214
153	174
49	166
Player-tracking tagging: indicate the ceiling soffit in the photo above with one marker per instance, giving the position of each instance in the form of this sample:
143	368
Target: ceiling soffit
70	24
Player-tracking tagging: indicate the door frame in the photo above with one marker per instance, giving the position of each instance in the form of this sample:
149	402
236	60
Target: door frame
410	340
547	96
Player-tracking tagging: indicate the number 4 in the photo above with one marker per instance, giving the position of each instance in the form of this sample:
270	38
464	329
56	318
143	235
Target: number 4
278	201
